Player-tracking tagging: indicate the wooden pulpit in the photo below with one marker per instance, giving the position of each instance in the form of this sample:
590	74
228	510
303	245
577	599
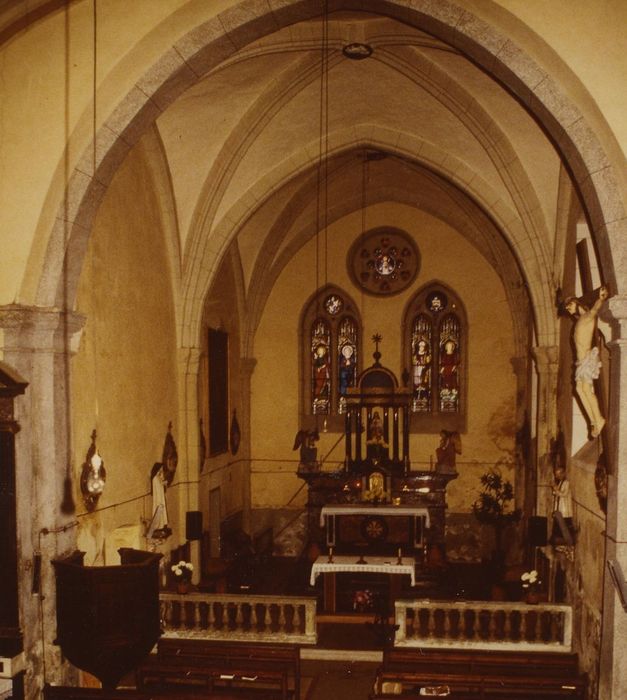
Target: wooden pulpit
108	616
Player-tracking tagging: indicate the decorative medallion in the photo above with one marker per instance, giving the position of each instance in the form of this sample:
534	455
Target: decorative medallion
374	529
384	261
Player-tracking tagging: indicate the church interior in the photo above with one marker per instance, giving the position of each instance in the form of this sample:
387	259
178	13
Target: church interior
312	347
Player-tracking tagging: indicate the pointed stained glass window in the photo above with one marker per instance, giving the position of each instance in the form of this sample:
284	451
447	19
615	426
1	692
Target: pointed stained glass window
320	367
347	355
422	362
449	357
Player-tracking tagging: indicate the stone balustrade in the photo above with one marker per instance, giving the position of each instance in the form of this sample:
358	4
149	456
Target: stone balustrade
483	625
245	618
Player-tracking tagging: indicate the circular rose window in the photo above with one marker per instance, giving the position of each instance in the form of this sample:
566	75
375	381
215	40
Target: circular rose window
383	261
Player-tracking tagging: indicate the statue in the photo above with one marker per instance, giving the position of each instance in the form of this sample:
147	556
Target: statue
158	528
306	440
450	445
563	529
588	365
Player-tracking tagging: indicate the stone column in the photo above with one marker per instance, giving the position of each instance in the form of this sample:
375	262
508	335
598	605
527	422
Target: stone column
546	359
187	437
525	486
613	669
39	343
247	367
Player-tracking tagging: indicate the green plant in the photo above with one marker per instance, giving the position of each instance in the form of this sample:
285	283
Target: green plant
494	505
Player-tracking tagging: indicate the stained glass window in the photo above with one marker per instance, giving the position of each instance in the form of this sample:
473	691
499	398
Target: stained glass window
331	353
422	360
449	354
435	347
347	355
320	367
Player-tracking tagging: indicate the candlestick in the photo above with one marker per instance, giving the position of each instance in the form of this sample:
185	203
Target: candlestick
400	556
330	554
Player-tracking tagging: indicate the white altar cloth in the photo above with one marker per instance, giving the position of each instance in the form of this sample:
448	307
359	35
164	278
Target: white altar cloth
379	565
365	509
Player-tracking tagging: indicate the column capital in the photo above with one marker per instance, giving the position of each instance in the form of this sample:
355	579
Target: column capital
545	356
36	328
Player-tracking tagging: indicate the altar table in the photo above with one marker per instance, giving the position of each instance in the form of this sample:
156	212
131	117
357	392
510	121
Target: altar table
419	516
349	563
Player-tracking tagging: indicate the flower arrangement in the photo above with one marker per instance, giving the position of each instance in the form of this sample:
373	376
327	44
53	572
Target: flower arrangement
363	600
183	571
530	581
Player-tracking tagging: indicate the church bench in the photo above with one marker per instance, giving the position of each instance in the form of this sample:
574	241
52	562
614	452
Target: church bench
157	675
283	657
476	685
53	692
483	662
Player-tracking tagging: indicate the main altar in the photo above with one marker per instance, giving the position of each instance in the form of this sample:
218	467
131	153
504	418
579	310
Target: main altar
376	514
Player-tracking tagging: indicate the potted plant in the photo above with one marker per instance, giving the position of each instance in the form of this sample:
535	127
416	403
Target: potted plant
531	586
494	507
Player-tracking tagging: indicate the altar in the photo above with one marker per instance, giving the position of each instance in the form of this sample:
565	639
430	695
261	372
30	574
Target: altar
376	507
391	527
332	564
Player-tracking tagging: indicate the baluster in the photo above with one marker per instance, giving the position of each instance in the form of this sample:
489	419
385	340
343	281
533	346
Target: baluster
261	616
163	613
431	622
507	626
530	624
447	622
282	622
239	616
297	620
476	624
492	624
197	621
554	627
211	615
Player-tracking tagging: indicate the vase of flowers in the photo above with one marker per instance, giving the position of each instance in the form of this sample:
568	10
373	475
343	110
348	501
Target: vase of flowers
183	575
531	585
363	601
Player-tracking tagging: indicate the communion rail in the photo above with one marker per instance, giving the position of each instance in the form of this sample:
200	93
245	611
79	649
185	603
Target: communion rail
483	625
239	618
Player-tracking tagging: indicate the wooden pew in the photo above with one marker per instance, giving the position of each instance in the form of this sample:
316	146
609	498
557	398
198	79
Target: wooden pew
228	655
480	674
54	692
210	677
498	662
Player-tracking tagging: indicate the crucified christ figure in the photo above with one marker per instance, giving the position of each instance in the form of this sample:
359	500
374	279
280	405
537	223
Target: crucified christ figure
588	364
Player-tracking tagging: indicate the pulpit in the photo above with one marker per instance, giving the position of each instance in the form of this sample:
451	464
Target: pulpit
108	616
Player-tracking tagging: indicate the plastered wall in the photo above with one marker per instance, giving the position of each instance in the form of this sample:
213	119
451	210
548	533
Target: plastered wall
124	381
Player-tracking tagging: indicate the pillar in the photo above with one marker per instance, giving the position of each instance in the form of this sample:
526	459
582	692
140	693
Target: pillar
39	343
247	367
613	670
546	360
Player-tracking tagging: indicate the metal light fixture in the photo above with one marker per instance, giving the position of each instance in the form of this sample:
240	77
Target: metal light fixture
93	476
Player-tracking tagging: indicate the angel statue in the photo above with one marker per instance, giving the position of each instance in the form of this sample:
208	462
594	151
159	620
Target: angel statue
306	440
450	445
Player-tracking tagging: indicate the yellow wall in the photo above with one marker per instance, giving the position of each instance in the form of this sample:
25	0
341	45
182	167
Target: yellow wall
447	257
225	471
124	381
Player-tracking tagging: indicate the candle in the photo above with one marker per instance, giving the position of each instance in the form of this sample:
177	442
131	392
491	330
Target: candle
399	554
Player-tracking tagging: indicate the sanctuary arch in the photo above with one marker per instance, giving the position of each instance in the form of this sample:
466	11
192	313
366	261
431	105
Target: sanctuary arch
179	67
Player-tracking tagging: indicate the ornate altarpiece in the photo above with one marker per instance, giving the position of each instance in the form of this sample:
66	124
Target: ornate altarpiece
377	478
